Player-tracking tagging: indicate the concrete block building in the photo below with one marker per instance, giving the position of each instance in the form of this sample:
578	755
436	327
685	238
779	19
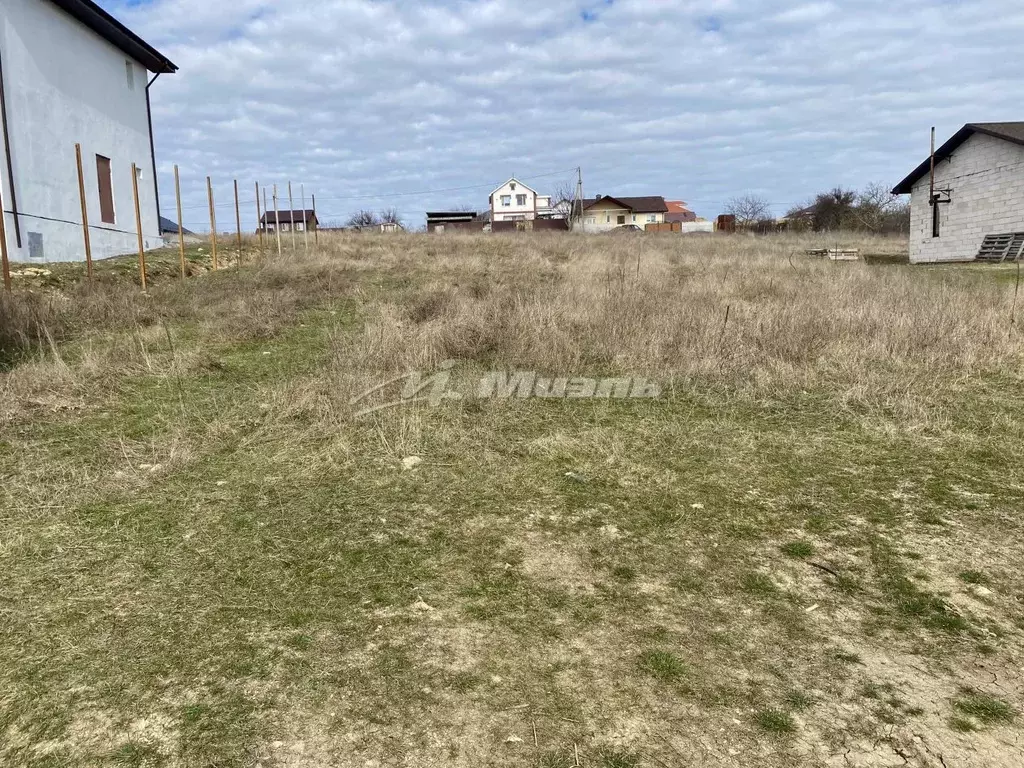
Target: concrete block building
978	197
70	73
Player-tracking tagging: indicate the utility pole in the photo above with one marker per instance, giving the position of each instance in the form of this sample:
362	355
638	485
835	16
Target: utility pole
579	197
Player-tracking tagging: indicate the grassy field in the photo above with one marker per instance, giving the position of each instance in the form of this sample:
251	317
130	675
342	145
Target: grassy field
806	551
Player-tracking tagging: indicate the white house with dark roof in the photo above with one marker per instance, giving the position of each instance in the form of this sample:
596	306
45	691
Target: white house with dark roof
605	213
515	201
975	208
70	73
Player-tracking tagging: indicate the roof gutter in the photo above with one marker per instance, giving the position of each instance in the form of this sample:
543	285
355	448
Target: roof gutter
7	152
152	148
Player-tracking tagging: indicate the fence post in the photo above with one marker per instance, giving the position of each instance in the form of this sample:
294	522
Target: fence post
238	224
277	223
5	265
181	227
305	221
316	226
259	216
213	224
85	212
291	213
138	225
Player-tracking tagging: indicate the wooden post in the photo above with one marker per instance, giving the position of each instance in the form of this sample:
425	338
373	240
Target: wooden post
291	213
266	211
138	226
238	224
85	212
5	264
213	224
305	222
316	225
259	216
277	222
181	227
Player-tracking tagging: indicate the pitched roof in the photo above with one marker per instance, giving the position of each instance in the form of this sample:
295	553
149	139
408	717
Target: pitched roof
170	227
677	206
517	181
649	204
287	217
116	33
1012	132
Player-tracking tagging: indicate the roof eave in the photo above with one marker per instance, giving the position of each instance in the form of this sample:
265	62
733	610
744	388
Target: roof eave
117	34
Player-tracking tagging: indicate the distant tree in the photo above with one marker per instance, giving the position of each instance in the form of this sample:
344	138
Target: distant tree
363	219
390	216
749	209
878	210
562	200
835	210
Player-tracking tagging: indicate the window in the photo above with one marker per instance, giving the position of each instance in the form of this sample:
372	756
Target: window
634	218
106	189
513	185
520	199
129	69
621	218
935	216
506	200
652	218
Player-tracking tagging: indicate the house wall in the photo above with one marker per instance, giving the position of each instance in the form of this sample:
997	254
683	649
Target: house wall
986	179
513	211
66	84
603	216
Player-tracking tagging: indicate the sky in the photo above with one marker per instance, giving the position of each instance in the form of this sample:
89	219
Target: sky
429	104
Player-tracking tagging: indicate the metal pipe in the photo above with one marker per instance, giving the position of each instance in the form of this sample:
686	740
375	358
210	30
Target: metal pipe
7	151
152	151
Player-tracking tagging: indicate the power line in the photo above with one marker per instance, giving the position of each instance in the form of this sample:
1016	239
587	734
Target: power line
73	223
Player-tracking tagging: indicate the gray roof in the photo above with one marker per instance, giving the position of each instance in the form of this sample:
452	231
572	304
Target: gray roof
116	33
1012	132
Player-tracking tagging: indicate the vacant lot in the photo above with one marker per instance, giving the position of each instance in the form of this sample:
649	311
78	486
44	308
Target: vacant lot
806	551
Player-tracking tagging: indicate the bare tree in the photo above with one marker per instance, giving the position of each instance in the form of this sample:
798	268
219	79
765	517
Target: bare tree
749	209
390	216
878	210
363	219
563	200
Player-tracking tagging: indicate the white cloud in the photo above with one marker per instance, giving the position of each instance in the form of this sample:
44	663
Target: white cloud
692	100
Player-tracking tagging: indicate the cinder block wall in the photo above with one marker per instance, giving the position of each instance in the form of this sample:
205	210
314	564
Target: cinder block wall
986	176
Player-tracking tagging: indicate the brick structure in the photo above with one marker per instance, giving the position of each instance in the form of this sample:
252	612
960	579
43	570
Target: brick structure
979	191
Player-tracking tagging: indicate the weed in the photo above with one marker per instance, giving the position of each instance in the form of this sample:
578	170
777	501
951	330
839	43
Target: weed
798	549
663	665
775	722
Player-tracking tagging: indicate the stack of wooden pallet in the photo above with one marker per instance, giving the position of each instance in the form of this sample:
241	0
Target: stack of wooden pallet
1005	247
835	254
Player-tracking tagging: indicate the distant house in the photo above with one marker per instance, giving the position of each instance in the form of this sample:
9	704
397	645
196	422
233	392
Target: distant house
300	220
450	221
514	201
678	211
976	209
604	213
169	228
391	226
70	73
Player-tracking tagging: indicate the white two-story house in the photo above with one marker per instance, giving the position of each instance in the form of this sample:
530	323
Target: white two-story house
514	201
70	73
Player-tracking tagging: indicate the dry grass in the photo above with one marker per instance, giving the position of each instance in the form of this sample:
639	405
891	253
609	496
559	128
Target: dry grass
210	562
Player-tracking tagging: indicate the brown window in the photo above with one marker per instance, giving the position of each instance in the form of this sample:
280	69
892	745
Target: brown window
621	219
106	189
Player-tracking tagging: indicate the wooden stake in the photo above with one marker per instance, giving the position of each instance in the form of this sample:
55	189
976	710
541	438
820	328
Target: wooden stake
238	224
213	224
138	226
4	263
291	213
181	227
277	222
316	226
259	215
305	223
85	212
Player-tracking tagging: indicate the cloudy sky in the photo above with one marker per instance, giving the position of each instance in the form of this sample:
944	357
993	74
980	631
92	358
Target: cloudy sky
427	104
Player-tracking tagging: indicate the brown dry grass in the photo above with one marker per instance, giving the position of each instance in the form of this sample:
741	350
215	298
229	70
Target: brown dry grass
208	561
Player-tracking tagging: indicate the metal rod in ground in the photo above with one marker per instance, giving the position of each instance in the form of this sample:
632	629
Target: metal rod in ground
305	221
266	213
238	224
213	223
277	222
181	227
259	215
291	214
85	212
138	226
5	265
316	226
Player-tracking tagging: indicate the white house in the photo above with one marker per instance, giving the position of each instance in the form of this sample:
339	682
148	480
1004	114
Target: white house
978	194
604	213
514	201
70	73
